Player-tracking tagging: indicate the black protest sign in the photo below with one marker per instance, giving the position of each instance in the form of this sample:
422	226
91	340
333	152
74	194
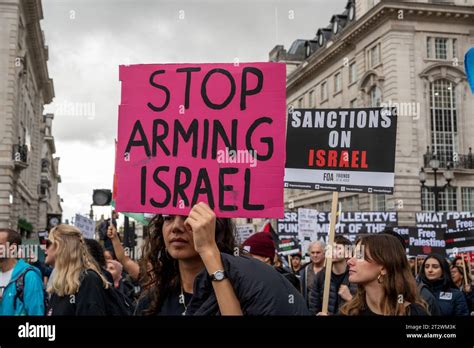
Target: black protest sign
349	150
426	240
439	219
460	236
288	226
288	246
404	232
351	224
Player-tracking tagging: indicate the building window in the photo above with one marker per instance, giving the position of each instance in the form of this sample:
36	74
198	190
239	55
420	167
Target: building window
352	73
324	91
350	203
375	56
447	200
467	194
455	48
337	82
427	200
311	99
379	203
375	97
441	48
429	47
353	103
443	120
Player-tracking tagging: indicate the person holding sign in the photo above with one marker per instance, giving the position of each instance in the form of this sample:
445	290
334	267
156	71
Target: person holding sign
340	289
195	273
385	283
435	274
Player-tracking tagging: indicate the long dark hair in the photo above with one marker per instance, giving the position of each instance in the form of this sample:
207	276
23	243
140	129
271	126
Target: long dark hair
160	270
446	280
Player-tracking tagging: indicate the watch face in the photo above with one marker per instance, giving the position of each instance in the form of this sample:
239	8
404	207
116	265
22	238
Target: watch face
53	221
219	275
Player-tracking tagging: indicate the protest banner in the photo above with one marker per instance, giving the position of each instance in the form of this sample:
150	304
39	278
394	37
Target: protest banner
439	219
426	240
460	236
348	150
202	132
86	225
242	232
288	226
288	246
351	224
404	232
307	227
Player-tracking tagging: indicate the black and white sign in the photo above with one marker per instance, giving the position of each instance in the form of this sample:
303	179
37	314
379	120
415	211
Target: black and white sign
440	219
288	226
426	240
347	150
460	236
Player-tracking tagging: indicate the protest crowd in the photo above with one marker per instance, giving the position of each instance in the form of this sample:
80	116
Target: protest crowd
192	265
193	262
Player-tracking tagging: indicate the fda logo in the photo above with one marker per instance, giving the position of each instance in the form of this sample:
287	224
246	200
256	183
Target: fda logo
316	187
370	189
343	188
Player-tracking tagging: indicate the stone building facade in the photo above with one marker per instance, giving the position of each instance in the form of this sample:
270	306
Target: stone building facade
26	140
408	54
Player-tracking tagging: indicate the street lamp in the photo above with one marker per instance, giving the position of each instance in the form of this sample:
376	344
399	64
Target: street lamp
448	174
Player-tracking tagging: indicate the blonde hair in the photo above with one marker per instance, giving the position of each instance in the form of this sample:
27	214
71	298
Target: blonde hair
72	260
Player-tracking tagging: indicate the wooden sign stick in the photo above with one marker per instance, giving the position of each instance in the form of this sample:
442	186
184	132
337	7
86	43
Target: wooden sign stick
464	269
332	232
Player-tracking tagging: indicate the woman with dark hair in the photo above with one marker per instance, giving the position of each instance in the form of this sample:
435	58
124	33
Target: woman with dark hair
385	283
457	275
435	274
192	271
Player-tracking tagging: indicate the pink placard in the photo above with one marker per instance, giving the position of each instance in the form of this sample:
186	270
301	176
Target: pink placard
211	133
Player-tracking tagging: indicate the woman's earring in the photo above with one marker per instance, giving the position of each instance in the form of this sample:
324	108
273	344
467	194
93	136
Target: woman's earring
380	278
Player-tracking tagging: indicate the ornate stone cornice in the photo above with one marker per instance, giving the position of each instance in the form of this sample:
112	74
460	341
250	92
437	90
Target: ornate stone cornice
33	12
378	15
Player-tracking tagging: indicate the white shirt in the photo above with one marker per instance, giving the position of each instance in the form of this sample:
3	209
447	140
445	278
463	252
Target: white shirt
5	279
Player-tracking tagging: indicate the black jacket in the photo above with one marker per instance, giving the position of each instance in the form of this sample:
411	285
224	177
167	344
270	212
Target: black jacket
89	300
261	290
303	276
426	295
292	278
317	292
450	300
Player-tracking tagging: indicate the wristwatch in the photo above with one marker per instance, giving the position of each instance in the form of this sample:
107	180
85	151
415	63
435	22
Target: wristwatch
218	276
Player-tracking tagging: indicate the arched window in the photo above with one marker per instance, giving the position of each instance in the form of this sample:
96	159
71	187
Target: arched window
375	97
443	119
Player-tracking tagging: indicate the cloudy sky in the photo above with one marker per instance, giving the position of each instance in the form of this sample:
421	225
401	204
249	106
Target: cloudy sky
89	39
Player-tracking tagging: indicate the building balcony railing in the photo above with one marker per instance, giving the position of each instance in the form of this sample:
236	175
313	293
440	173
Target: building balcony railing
452	159
20	155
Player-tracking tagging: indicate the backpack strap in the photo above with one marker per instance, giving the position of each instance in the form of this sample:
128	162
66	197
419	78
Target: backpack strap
20	287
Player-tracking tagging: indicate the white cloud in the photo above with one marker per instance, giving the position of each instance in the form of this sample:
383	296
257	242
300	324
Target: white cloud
85	53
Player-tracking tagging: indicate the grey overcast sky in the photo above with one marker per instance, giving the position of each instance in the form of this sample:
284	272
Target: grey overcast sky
89	39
